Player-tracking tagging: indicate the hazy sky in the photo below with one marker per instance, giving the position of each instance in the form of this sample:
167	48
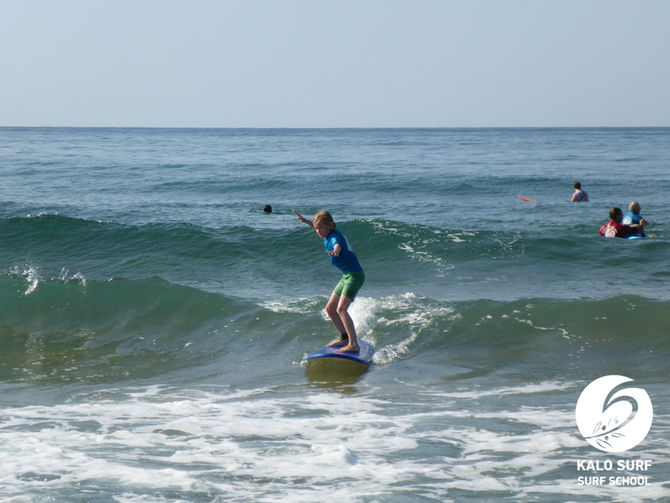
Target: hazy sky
316	63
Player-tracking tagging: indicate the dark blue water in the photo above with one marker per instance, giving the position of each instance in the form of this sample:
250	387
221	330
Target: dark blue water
155	321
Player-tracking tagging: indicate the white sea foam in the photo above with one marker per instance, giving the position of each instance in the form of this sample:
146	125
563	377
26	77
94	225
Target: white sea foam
65	276
408	310
165	444
416	250
299	306
31	274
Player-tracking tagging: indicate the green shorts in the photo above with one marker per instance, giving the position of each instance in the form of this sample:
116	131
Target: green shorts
349	285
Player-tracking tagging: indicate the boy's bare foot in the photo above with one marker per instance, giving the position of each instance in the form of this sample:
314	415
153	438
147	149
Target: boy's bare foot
342	341
350	348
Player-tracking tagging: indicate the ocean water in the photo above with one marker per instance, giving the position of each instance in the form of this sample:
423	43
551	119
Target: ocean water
155	322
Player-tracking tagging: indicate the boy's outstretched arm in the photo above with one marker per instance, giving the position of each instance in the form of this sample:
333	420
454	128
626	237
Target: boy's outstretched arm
336	250
303	219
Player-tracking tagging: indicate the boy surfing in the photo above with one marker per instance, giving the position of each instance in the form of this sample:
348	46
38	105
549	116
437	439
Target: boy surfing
353	277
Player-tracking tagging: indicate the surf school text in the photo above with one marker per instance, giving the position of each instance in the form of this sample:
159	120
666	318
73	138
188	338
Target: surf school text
621	465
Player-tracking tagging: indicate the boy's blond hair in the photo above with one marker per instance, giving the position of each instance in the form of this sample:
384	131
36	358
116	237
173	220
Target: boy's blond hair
325	218
634	206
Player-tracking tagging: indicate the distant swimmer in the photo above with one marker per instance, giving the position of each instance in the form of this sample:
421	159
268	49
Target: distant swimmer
615	229
633	216
267	209
580	195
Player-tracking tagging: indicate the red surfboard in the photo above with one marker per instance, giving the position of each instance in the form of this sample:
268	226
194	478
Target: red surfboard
526	199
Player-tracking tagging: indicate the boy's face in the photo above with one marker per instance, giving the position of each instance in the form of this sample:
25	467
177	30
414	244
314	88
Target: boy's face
322	229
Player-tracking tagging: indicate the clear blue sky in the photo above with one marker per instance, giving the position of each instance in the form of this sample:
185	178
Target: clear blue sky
345	63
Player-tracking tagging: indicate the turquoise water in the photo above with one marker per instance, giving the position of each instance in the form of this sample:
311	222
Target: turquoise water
155	321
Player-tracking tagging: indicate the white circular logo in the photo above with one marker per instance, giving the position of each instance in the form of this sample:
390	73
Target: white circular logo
613	417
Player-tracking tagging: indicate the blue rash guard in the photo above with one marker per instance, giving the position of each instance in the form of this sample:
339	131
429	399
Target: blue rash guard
347	262
631	218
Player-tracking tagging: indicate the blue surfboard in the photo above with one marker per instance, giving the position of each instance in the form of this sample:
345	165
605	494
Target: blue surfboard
636	237
363	356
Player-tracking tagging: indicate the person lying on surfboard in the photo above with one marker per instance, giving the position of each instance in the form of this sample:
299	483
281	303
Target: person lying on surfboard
615	229
353	277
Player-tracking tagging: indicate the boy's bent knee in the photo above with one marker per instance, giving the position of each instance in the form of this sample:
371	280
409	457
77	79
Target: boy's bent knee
331	307
342	307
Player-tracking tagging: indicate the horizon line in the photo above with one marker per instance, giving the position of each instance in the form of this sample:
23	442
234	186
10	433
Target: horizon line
333	127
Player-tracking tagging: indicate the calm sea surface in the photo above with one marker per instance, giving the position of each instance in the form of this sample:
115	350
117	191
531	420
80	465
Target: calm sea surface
155	322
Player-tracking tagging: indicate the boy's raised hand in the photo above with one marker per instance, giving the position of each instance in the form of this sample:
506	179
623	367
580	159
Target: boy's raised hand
302	219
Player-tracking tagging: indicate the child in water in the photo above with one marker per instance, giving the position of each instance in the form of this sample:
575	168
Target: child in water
342	257
633	216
